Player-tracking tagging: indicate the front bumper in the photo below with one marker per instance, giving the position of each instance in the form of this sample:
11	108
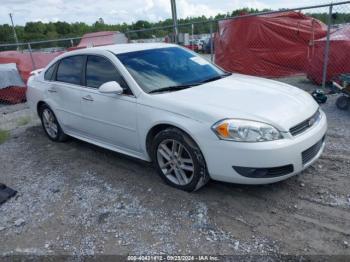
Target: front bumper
221	156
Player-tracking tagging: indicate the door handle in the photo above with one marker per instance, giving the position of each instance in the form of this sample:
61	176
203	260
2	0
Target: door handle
51	90
88	98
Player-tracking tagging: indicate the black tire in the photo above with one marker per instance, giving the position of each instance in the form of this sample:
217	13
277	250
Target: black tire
60	136
200	174
343	102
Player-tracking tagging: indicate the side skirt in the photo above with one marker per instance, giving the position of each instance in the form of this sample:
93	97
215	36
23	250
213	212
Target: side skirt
107	146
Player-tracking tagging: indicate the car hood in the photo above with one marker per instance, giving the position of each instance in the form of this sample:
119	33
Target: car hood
240	96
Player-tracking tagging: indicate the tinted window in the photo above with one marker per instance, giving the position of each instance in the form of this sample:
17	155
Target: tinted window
69	70
99	70
49	72
168	67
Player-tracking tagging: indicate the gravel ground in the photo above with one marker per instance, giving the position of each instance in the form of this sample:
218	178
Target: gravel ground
76	198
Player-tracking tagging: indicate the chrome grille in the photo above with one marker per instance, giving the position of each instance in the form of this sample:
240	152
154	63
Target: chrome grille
306	124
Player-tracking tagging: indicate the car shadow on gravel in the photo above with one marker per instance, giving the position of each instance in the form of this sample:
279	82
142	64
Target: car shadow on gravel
136	164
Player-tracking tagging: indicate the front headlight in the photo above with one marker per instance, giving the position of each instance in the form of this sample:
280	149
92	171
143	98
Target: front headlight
245	131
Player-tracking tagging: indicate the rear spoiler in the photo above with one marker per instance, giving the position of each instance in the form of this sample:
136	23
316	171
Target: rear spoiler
36	72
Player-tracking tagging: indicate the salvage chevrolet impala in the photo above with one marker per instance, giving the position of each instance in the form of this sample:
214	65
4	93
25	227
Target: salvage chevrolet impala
163	103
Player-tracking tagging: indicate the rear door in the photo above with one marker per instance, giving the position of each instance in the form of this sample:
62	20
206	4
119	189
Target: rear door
64	91
108	118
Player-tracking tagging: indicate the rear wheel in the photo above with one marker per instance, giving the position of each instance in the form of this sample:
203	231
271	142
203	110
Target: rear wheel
343	102
178	160
50	124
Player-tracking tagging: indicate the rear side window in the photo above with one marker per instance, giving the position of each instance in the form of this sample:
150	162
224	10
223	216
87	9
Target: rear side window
70	69
99	70
49	73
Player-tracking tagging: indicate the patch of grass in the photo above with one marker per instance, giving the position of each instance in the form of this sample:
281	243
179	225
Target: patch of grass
22	121
4	135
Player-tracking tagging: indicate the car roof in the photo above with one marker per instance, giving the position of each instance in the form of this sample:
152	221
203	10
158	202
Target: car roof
124	48
116	49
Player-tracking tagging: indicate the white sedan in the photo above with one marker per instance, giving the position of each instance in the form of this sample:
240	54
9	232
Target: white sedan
164	103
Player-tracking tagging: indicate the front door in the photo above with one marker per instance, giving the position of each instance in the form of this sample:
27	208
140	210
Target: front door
108	118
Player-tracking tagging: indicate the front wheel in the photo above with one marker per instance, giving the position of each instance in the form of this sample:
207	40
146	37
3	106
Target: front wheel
50	124
179	160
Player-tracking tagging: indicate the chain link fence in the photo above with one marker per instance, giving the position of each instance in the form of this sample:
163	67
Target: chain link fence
309	43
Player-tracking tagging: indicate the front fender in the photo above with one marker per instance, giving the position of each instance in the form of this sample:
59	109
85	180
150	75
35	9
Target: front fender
149	117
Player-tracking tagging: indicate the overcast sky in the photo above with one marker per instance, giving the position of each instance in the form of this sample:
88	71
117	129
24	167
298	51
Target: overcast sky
118	11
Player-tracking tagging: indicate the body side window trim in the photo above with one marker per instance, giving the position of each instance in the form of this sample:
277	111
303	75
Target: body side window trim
83	72
54	75
53	72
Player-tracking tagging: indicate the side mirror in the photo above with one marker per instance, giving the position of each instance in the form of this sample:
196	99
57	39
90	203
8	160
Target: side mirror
111	87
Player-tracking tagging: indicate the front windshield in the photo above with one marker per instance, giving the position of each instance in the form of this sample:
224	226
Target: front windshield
169	67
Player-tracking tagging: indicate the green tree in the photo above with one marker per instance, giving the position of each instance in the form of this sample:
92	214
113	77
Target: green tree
63	28
35	28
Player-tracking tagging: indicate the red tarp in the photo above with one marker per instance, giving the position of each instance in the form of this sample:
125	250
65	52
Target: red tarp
25	66
13	95
24	61
272	45
100	39
339	56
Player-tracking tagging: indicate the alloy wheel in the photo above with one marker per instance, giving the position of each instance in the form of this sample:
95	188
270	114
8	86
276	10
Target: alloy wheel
50	123
175	162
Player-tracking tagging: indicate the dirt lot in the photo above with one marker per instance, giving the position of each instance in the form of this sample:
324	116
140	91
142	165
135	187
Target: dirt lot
75	198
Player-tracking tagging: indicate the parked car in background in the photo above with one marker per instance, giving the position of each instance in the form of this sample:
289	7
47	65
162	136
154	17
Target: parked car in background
200	44
163	103
192	46
207	46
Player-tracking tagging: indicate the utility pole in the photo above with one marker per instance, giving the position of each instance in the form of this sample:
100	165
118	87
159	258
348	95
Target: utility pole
14	30
326	51
192	27
174	15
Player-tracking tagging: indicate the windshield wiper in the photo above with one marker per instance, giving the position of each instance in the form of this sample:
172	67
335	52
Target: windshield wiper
181	87
215	78
171	88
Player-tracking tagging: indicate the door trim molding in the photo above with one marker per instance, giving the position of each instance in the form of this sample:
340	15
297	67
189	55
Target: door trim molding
97	120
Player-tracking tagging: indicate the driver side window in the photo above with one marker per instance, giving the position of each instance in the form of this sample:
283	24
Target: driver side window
100	70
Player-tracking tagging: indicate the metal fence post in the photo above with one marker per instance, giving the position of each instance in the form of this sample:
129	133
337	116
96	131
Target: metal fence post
211	42
326	51
174	16
31	56
127	36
